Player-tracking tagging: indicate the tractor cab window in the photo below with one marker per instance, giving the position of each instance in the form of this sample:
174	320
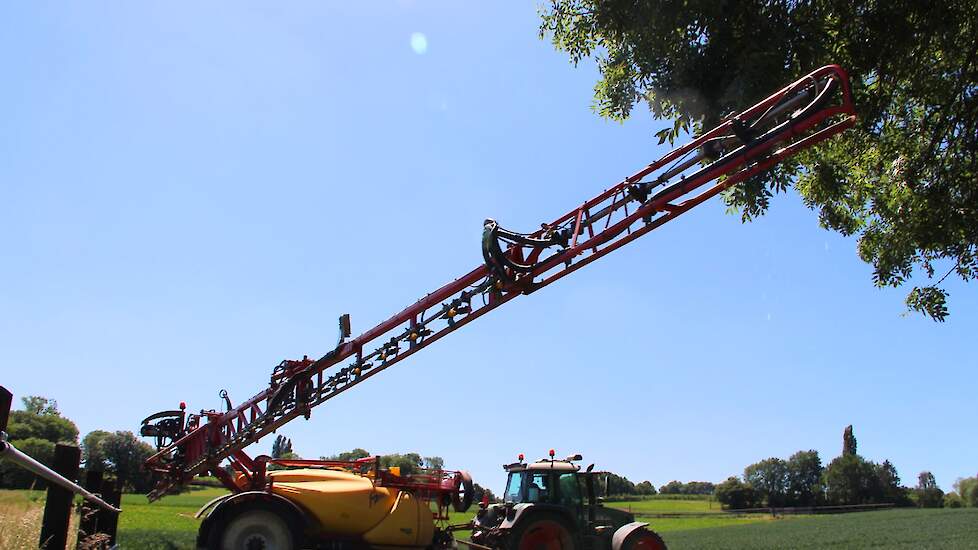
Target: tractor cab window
538	487
514	487
529	487
569	490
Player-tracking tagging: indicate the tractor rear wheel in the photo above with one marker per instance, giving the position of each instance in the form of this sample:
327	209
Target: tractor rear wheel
542	531
257	529
643	539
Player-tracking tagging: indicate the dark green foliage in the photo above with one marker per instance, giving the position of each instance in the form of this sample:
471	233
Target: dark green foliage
478	492
928	494
645	488
41	419
37	405
13	476
889	481
672	488
903	180
618	485
355	454
124	455
848	441
35	431
804	483
736	495
690	488
93	456
851	479
407	462
770	479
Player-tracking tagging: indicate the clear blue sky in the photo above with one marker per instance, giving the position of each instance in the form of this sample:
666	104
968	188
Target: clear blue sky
190	193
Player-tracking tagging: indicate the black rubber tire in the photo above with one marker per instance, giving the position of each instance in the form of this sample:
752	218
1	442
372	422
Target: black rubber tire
542	531
462	497
644	539
256	528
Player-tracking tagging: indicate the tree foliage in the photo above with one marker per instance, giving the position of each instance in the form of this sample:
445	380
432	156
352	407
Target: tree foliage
124	455
903	180
736	495
929	495
967	488
35	431
769	478
12	476
93	455
804	479
41	419
848	441
281	447
479	492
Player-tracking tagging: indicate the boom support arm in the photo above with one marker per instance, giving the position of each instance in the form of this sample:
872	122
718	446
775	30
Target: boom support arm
797	117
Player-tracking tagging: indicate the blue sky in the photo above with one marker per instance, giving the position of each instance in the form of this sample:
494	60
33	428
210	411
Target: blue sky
191	193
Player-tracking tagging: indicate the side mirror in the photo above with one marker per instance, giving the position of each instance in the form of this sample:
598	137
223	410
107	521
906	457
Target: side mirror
344	328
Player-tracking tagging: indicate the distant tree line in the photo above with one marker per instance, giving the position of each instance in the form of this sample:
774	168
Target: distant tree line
36	430
849	479
690	488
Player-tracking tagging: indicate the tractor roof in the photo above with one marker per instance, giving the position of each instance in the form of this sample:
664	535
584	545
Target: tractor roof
544	464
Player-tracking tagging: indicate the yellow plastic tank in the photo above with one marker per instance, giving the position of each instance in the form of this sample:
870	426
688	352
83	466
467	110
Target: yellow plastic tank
350	505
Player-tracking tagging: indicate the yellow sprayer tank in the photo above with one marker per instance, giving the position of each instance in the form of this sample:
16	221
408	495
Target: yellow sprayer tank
348	505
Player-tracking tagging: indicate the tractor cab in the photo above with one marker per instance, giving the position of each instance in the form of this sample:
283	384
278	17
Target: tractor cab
552	503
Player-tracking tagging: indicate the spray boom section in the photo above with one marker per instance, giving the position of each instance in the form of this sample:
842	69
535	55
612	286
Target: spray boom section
797	117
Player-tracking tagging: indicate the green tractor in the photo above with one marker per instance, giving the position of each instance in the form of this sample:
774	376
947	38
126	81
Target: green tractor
552	505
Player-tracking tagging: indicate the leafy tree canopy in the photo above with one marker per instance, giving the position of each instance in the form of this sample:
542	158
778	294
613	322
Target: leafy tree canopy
93	455
124	455
41	419
903	180
735	494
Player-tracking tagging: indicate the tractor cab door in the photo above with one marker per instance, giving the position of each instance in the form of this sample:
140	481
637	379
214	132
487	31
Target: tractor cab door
569	495
599	524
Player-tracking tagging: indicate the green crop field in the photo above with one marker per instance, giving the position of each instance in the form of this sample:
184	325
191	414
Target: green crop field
169	524
950	529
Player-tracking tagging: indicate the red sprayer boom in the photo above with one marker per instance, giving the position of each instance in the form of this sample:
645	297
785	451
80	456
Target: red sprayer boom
797	117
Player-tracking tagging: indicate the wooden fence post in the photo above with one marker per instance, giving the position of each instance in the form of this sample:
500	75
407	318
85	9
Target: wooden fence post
57	509
5	399
88	526
108	522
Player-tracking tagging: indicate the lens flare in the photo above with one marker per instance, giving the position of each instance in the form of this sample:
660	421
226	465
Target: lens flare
419	43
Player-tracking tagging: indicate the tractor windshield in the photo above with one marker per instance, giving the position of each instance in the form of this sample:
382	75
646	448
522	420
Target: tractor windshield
528	487
514	488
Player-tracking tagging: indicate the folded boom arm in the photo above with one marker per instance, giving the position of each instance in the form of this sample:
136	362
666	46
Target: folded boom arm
802	114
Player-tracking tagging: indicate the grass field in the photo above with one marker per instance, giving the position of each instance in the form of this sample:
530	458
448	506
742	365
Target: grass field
945	529
169	524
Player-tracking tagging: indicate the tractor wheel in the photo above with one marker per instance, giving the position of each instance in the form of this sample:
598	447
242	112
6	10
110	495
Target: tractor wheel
462	497
542	531
257	529
644	539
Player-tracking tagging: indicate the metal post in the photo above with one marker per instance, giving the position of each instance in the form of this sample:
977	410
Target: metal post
5	399
108	521
57	509
89	513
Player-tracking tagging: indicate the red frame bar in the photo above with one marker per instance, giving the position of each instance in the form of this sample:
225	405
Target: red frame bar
225	435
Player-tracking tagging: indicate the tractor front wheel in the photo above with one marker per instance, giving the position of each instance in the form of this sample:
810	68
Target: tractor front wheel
257	529
542	531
